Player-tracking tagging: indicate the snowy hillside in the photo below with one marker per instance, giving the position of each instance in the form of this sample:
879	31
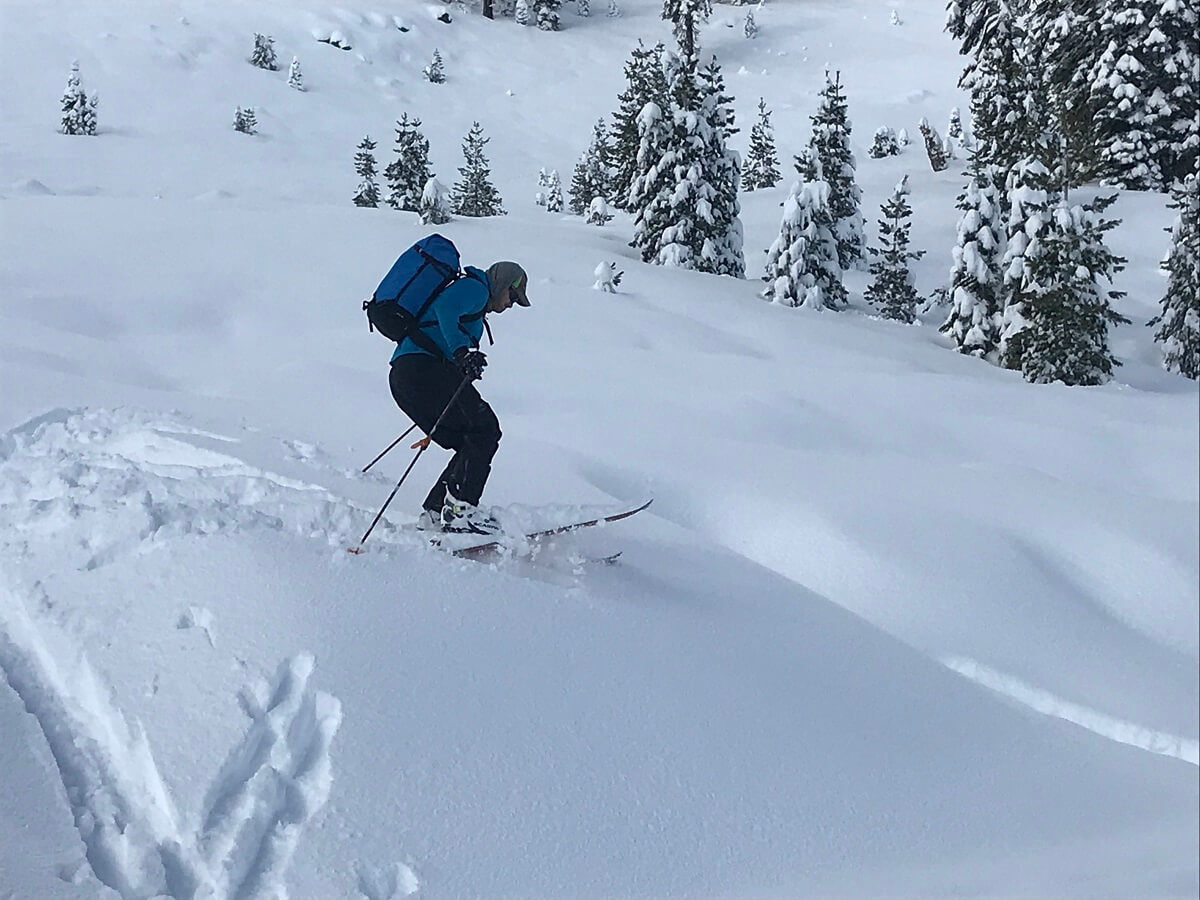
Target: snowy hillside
897	623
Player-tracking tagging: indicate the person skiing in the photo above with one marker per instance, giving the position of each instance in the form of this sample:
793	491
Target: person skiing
423	384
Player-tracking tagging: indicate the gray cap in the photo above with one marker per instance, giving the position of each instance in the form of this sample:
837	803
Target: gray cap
507	274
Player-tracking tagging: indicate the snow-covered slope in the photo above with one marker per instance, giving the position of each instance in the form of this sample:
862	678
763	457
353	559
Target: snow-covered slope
896	624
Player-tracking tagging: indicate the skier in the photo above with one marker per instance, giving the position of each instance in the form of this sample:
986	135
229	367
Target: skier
423	383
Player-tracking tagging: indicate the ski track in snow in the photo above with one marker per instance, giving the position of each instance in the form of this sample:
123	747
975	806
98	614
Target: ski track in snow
274	780
1048	704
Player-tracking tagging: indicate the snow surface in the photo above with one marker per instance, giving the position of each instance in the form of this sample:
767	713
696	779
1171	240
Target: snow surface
897	622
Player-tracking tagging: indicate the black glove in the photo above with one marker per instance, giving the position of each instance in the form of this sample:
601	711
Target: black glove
470	362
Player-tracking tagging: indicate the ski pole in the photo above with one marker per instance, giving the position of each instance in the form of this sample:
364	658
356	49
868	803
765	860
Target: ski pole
389	448
420	446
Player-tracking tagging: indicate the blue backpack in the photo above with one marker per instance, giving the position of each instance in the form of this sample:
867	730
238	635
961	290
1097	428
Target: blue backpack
409	288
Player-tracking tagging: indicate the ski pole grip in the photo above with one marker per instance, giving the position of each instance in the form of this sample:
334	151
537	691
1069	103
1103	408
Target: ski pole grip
422	444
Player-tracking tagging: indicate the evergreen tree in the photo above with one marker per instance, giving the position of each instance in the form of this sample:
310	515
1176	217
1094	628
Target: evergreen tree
1174	54
590	178
669	186
543	187
583	8
891	290
554	194
521	12
935	149
685	17
295	77
78	109
720	222
831	141
1179	322
597	212
1004	105
613	9
762	165
245	121
1056	317
646	83
798	262
686	209
1130	112
408	173
750	29
263	54
884	144
474	194
506	8
547	14
954	128
364	166
829	273
435	71
435	203
974	321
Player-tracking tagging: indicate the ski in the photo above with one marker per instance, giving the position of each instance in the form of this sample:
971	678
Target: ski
501	543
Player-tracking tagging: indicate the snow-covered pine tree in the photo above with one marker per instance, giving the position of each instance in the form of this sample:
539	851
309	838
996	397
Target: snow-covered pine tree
721	250
762	165
974	320
1174	54
1179	322
1056	316
891	290
244	120
797	270
884	144
364	166
750	29
597	212
954	128
435	72
78	109
543	187
646	83
613	9
583	8
670	185
1129	110
554	194
474	194
999	76
435	203
934	148
822	249
409	172
590	178
547	14
295	76
263	54
831	140
607	277
521	12
506	8
686	17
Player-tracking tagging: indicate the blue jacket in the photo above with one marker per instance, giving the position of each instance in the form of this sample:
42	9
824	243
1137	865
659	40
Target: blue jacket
455	319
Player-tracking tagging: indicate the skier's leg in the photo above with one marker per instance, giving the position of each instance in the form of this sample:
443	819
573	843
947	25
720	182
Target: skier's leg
422	386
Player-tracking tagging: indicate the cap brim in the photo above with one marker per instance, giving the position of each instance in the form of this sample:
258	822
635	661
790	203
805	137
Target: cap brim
522	299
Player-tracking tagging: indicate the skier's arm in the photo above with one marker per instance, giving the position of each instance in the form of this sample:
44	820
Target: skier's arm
464	299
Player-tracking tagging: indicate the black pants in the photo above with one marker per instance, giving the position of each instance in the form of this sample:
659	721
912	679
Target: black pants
422	385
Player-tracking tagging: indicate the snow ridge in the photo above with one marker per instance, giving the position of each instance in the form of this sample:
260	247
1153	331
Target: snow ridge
1048	704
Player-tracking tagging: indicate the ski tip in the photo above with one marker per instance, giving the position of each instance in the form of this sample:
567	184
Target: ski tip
357	551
